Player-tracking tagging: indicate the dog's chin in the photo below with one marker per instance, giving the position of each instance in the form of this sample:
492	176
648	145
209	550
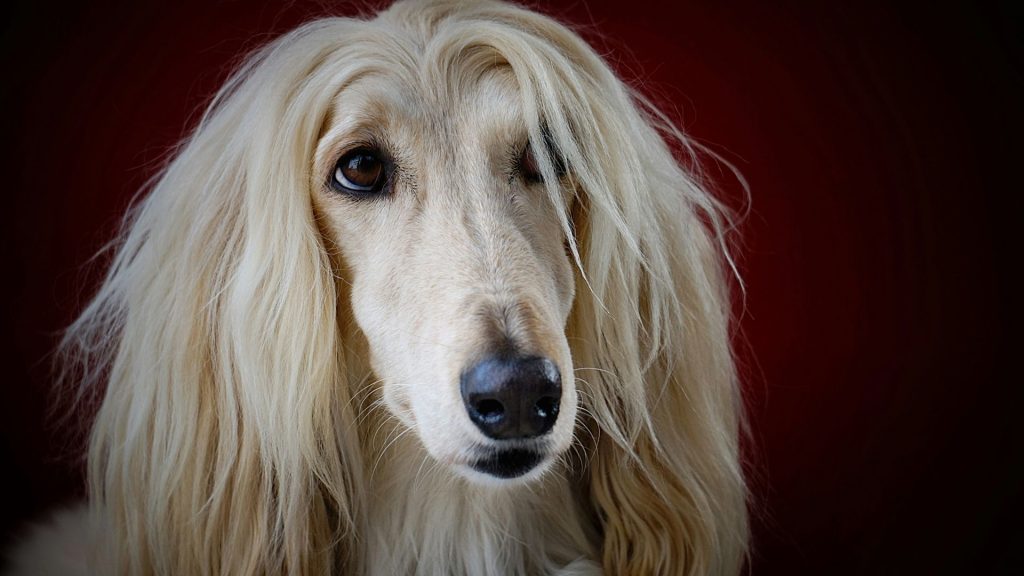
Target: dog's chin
503	467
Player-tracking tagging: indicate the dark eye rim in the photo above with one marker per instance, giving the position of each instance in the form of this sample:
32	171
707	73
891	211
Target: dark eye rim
380	187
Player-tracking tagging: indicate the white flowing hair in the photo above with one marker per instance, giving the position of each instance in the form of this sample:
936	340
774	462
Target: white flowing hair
220	343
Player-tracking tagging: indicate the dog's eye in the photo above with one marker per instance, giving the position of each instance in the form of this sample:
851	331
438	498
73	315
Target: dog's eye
529	167
360	171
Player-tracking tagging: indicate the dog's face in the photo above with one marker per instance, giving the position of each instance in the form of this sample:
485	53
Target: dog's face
456	261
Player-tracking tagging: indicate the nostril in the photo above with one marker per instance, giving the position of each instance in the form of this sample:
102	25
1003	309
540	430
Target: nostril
490	409
546	407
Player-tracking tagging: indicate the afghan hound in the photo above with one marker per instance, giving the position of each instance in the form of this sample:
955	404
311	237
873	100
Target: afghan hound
430	292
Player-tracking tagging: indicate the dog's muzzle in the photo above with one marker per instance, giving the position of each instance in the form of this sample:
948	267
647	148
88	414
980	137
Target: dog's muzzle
511	400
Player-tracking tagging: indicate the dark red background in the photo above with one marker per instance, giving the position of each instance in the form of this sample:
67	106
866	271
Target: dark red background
882	146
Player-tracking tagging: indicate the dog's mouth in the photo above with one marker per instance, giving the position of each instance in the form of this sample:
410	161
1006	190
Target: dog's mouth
509	463
499	465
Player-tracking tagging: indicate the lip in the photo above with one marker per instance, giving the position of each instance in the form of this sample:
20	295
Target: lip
508	463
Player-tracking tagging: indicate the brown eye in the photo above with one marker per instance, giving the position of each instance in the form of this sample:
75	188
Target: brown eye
360	171
528	166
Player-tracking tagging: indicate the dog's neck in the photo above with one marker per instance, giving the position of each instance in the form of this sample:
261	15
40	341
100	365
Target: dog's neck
423	519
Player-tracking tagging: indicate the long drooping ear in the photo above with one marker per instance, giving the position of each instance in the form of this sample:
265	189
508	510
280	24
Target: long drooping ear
650	326
653	352
658	380
652	347
220	445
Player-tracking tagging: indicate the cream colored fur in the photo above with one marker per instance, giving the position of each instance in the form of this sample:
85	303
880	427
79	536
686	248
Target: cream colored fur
278	364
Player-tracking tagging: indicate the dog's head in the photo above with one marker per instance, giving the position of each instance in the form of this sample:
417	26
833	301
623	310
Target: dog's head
429	182
463	199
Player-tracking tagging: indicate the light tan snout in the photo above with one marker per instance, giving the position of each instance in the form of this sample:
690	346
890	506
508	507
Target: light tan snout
459	276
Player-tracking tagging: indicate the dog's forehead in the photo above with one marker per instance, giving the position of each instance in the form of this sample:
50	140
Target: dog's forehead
483	104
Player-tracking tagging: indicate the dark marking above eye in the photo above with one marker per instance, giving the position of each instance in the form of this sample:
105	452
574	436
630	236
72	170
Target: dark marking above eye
360	172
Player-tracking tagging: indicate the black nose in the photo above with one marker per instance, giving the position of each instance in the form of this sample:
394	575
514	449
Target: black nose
510	398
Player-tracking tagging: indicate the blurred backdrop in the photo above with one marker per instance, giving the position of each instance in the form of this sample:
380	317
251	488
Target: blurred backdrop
882	145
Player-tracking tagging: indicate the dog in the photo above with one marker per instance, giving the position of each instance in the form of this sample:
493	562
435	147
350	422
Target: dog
432	292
